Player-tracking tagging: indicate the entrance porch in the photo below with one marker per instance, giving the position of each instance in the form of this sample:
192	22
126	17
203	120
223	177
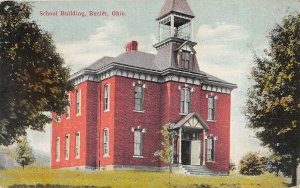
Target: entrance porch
189	140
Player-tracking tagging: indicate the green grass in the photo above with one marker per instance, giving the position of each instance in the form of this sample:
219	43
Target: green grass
34	176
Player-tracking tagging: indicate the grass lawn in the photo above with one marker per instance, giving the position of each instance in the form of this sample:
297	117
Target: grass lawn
107	179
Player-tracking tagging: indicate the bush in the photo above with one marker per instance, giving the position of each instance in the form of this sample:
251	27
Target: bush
252	164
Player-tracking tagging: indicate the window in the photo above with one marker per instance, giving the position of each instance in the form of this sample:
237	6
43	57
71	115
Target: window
58	119
186	60
67	151
185	104
105	142
57	153
78	102
211	107
210	149
138	142
77	145
106	98
68	107
139	97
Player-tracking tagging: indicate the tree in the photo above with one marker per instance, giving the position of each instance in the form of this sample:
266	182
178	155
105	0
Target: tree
33	79
252	164
166	154
24	153
273	107
276	163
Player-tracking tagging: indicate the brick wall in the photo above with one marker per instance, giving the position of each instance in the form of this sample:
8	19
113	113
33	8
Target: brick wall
76	123
127	118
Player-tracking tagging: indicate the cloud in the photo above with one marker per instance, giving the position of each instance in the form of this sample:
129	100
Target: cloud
221	47
222	32
107	40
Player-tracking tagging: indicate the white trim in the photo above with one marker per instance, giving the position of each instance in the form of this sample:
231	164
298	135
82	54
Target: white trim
140	111
138	156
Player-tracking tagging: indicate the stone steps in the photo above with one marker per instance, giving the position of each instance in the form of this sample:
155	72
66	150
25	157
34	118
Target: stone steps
197	170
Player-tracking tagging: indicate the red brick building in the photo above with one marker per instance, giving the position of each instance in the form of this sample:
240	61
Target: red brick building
120	104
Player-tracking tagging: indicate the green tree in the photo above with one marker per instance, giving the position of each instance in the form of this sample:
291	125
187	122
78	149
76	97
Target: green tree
279	163
166	153
24	153
252	164
33	79
273	107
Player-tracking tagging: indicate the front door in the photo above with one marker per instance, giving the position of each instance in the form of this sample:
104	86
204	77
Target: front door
195	152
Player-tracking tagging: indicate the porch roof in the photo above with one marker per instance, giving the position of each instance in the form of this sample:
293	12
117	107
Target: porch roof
192	120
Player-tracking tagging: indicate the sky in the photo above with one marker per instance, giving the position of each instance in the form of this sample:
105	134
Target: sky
228	34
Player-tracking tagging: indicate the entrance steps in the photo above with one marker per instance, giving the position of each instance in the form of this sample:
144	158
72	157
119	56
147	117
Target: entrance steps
197	170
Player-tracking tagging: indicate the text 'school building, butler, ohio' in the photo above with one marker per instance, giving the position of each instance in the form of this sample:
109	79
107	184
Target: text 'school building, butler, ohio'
121	103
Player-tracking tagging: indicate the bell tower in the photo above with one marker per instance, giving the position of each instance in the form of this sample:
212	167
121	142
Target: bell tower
175	47
175	21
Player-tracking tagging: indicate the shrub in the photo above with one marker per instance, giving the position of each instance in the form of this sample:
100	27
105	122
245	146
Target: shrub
252	164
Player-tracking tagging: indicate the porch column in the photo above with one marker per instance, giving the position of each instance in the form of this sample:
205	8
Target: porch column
173	149
179	148
204	147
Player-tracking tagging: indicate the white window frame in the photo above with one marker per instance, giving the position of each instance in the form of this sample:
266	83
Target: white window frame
57	147
77	145
211	149
106	101
105	142
185	100
78	102
138	143
67	145
211	116
139	97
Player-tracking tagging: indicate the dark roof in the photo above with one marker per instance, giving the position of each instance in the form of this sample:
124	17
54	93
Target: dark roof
179	6
131	58
164	59
100	63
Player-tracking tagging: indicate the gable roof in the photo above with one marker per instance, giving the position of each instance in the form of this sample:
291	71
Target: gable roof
131	58
184	120
178	6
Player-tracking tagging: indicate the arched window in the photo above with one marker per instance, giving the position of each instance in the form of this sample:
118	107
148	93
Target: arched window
185	103
186	60
139	97
138	142
211	149
57	152
105	142
78	102
211	107
106	97
67	149
77	145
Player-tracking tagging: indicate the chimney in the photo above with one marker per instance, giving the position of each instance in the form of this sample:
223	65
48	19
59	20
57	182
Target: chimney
132	46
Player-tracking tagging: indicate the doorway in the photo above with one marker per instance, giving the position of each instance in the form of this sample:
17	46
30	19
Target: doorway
186	152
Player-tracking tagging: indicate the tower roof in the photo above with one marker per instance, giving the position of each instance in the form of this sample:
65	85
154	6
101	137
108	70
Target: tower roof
178	6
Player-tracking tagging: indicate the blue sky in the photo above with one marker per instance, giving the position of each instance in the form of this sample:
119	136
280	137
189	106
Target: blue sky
228	33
